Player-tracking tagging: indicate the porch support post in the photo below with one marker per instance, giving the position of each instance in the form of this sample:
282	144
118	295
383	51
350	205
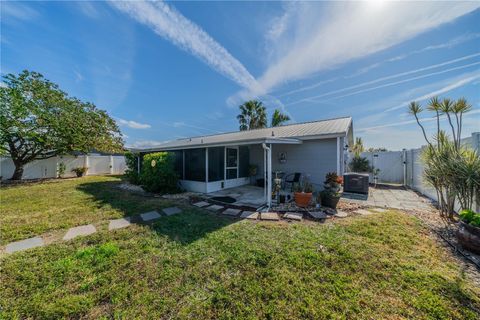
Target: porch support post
338	156
265	174
269	152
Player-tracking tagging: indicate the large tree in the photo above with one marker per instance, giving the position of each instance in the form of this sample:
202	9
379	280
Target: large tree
279	118
40	121
253	115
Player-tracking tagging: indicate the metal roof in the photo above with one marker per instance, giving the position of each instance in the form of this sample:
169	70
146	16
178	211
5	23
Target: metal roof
293	133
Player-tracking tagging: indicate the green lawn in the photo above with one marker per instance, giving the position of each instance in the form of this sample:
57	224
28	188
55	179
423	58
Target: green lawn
30	210
200	266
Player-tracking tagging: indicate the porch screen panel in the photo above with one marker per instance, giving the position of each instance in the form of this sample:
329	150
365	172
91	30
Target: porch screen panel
178	162
216	164
244	159
195	164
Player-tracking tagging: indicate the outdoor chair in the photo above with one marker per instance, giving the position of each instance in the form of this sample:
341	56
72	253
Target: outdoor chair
291	179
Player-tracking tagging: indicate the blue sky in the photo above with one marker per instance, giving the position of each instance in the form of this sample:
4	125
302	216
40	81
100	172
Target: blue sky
177	69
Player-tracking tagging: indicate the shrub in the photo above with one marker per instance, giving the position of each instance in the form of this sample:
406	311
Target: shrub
158	173
470	217
131	160
80	171
61	169
360	164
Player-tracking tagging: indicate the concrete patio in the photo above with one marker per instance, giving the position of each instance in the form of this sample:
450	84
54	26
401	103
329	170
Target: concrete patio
249	196
390	196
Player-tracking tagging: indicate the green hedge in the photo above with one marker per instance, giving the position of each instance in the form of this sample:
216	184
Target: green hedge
158	174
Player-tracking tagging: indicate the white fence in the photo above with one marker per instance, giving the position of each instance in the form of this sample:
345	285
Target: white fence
405	167
48	168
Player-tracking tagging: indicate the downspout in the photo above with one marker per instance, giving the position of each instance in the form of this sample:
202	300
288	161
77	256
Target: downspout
268	174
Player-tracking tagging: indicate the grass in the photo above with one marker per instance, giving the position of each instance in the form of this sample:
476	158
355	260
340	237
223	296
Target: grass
200	266
33	209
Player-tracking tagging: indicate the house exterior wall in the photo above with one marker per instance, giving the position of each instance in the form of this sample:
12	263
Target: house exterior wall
313	158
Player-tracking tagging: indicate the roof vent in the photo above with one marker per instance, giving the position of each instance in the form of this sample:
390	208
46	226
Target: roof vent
273	134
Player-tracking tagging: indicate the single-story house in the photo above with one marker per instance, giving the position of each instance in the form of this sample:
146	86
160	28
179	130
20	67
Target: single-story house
210	163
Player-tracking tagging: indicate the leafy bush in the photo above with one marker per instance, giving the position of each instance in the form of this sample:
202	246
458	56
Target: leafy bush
80	171
61	169
470	217
158	174
360	164
131	160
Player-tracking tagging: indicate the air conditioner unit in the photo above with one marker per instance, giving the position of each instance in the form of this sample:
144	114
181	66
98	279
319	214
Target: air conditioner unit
355	182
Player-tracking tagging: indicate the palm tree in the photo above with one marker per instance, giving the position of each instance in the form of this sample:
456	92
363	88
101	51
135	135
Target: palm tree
357	147
278	118
253	115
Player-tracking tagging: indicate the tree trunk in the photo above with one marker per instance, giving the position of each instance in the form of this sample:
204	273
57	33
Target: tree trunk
18	173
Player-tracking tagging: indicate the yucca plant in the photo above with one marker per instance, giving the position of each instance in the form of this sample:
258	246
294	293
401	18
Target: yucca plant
451	169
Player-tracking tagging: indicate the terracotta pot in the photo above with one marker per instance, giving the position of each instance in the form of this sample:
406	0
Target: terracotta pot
469	237
302	199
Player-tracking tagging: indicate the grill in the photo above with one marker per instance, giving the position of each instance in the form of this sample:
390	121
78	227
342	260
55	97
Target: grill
355	182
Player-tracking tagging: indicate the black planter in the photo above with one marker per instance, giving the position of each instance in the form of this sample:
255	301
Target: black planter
469	237
330	201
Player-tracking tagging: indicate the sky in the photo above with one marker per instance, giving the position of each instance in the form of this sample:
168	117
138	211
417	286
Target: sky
169	70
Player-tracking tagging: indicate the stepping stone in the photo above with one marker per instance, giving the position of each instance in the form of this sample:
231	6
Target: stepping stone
363	212
231	212
171	211
24	244
201	204
79	231
149	216
272	216
214	207
318	215
249	215
379	210
341	214
119	223
293	216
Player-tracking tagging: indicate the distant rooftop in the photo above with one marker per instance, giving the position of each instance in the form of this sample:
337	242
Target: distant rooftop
327	128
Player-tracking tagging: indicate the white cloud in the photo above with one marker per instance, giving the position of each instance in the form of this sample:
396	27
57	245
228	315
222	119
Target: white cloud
328	35
12	11
451	86
397	75
133	124
170	24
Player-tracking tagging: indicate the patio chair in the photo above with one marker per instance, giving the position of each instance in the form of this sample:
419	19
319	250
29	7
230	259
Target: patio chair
291	179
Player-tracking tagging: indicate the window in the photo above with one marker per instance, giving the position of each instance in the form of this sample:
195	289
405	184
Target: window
244	159
195	164
216	163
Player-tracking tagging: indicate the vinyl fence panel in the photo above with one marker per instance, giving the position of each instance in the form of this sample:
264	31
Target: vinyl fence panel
48	168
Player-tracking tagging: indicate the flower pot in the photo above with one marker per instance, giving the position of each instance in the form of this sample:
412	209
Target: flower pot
330	201
302	199
469	237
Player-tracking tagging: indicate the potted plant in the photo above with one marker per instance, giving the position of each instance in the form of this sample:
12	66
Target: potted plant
331	193
468	233
303	193
80	171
